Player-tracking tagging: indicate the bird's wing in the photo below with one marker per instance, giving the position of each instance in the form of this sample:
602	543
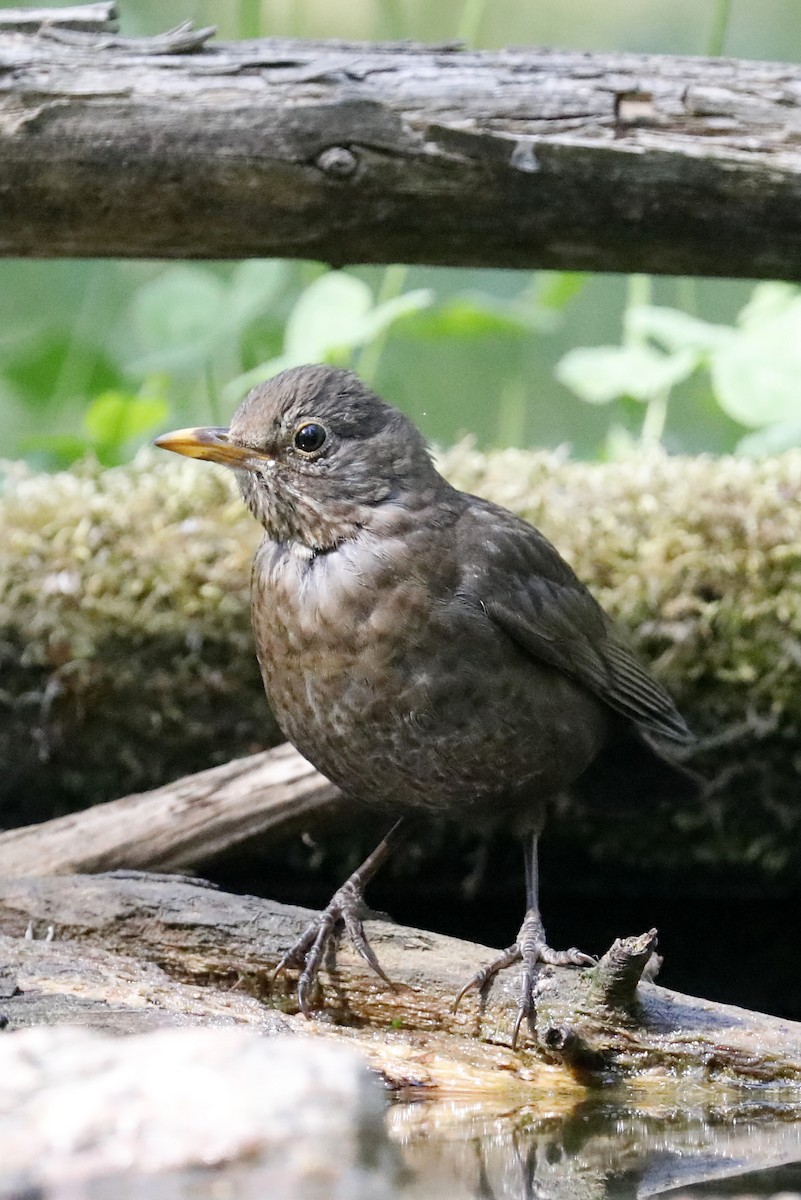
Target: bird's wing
527	588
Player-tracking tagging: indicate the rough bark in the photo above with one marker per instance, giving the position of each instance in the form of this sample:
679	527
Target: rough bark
171	147
87	18
590	1024
180	825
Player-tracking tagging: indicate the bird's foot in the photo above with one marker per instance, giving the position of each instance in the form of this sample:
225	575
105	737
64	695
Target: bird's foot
342	914
533	950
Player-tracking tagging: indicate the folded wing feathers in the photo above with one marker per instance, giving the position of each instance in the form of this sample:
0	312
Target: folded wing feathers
632	691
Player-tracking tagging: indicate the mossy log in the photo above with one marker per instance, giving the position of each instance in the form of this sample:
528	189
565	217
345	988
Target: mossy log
192	951
126	657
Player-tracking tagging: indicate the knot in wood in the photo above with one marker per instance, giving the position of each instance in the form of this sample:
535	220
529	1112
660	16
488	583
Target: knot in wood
338	161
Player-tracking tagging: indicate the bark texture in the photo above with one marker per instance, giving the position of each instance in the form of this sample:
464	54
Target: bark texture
179	147
221	949
180	825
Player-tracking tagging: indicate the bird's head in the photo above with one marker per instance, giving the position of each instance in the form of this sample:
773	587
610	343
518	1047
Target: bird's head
316	454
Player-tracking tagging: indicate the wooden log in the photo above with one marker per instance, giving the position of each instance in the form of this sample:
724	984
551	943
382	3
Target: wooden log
590	1023
86	18
486	1123
349	153
180	825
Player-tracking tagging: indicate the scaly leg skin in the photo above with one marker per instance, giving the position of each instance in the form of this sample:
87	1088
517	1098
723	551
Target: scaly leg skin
531	948
341	914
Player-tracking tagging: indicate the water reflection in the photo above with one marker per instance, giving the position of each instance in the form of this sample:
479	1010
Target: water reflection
625	1145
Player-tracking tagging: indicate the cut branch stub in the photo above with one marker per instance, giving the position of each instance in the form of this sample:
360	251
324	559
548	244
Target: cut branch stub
622	967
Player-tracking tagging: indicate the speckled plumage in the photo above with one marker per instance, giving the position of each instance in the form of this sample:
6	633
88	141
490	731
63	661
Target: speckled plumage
397	686
425	649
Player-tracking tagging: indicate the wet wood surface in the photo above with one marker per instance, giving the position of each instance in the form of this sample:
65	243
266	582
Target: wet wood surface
139	948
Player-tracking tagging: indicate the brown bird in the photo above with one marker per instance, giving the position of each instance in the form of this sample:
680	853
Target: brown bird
426	650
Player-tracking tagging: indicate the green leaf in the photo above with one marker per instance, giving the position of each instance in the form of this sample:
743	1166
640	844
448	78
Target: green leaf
255	286
757	374
601	374
59	449
115	417
473	316
327	316
773	439
332	316
177	320
385	315
336	313
555	289
768	302
59	367
673	329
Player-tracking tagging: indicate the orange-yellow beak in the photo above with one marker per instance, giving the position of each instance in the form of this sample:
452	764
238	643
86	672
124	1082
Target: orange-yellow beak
209	443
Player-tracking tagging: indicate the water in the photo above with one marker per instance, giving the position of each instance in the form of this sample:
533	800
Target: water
631	1142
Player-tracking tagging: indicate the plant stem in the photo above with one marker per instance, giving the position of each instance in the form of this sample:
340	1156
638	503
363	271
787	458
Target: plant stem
393	281
392	19
720	25
213	393
470	21
249	18
639	291
653	425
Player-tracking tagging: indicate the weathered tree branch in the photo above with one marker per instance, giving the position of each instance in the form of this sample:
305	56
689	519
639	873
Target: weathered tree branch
381	153
176	826
86	18
588	1022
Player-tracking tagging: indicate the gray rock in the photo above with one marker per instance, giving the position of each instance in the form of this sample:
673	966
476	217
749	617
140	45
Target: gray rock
84	1114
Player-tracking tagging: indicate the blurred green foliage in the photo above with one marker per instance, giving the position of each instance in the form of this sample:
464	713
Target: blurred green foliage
97	356
753	367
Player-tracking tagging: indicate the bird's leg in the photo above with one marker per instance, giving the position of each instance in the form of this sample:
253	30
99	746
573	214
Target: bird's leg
531	946
531	939
341	913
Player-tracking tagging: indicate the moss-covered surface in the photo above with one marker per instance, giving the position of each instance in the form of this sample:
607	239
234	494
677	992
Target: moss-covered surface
126	656
125	649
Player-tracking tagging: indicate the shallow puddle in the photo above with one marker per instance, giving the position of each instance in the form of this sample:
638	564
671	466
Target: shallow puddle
626	1144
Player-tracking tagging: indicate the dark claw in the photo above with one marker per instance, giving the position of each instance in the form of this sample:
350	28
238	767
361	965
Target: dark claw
481	978
532	948
358	937
308	952
313	960
566	958
295	956
521	1012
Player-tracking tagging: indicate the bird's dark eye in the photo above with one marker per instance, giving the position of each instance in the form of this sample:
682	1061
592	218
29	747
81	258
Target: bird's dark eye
309	438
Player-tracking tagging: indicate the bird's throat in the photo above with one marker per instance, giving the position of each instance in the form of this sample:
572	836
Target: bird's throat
295	518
